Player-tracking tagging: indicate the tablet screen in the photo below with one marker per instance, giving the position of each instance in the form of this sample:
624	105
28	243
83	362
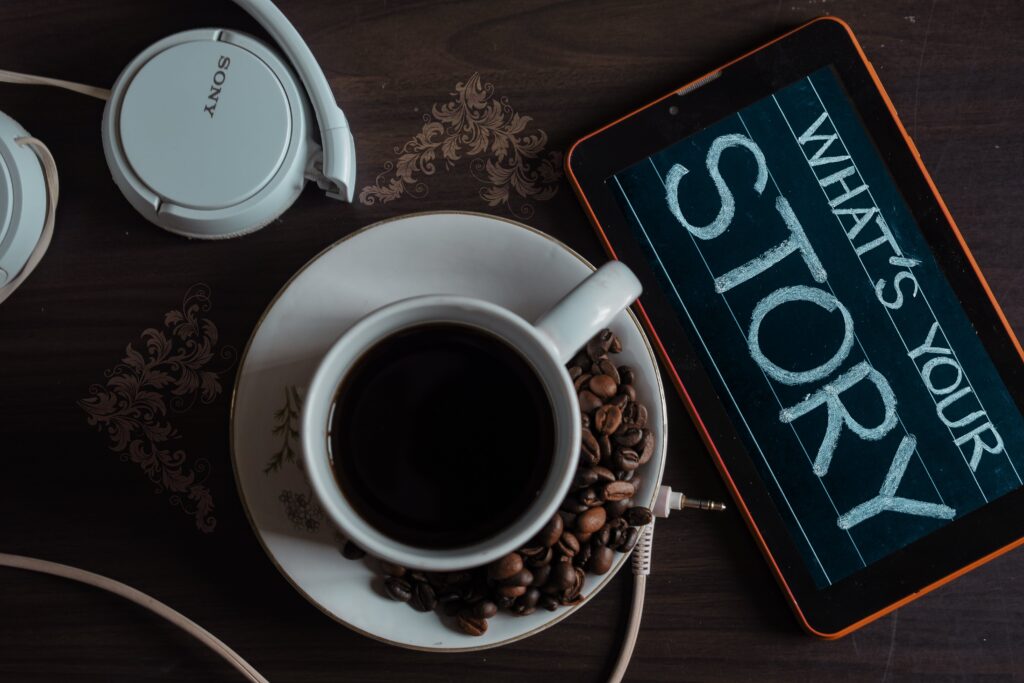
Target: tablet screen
841	352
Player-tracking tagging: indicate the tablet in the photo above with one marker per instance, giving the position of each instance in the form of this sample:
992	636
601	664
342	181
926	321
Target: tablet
836	344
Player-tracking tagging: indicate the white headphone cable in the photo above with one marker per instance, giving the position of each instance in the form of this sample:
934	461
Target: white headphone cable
139	598
666	501
29	79
641	562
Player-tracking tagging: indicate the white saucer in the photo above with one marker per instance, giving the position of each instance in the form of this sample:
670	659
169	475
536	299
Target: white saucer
457	253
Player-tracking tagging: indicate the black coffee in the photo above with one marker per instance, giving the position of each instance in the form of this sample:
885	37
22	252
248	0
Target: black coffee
442	436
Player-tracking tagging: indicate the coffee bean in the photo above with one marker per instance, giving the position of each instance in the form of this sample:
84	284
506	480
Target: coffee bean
450	595
606	337
570	594
629	537
641	416
646	447
521	611
504	567
398	589
603	473
392	569
589	402
627	375
583	538
485	609
524	577
601	537
417	576
541	574
593	519
601	560
471	625
568	519
608	368
607	419
503	601
584	477
581	381
617	508
605	446
638	516
574	505
530	552
620	401
529	599
542	560
616	490
575	371
625	459
596	350
584	420
581	359
583	556
615	538
629	414
423	597
510	591
568	544
351	551
562	576
615	345
589	498
628	391
603	386
630	436
549	603
625	475
637	482
589	447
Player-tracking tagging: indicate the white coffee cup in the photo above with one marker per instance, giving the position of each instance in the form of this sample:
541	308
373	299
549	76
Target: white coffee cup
547	345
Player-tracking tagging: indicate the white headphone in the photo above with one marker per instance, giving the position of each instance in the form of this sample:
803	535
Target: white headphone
207	133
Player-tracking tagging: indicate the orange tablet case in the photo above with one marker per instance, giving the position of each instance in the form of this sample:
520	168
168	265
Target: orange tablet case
705	435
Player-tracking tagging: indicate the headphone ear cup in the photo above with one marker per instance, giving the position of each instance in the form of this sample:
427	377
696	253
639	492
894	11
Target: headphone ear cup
209	134
23	200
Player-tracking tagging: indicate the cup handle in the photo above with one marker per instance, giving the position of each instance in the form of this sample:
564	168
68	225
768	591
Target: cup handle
588	308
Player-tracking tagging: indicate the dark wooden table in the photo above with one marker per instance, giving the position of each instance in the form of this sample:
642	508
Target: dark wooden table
84	484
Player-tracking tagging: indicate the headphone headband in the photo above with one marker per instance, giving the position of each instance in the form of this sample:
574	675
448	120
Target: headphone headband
339	165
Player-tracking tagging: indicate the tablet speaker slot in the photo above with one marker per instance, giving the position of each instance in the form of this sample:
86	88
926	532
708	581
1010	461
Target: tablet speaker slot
700	82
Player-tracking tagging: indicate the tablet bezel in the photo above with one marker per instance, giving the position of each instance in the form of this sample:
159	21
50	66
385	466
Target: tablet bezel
930	561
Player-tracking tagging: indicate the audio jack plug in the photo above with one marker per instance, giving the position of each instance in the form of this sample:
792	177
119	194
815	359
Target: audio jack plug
669	500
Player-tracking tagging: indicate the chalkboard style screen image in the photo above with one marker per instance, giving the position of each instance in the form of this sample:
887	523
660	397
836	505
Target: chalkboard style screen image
843	356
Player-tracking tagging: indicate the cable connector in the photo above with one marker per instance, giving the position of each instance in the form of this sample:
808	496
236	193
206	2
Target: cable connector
642	551
668	500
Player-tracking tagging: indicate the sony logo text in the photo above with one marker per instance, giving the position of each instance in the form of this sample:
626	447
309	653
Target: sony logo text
219	77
